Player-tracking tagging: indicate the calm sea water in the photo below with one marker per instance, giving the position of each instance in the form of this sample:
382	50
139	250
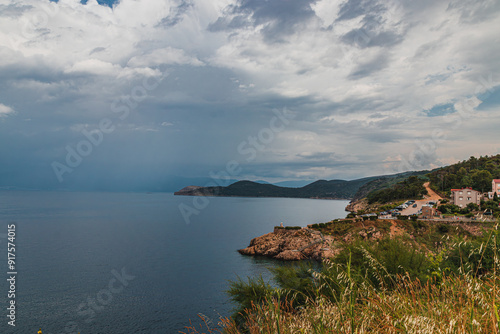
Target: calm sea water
128	262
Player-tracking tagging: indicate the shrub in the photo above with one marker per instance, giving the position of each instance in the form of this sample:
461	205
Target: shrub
380	263
245	294
418	224
449	208
372	287
443	228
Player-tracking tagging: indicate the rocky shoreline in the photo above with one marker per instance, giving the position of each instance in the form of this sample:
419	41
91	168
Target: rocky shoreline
323	241
291	244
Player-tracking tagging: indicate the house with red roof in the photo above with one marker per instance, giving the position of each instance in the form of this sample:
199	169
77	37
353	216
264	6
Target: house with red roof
464	196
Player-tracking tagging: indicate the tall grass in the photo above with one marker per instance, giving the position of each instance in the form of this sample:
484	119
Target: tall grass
364	292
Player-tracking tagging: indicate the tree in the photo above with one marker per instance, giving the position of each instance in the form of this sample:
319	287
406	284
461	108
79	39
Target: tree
481	180
472	207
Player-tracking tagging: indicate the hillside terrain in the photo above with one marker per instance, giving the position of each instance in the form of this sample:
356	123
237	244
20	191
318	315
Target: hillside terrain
384	182
476	173
321	189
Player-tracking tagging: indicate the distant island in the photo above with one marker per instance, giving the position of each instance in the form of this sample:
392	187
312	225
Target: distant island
321	189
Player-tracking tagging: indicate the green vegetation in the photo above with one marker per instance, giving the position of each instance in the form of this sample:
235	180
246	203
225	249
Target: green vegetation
411	188
389	286
475	173
338	189
385	182
404	276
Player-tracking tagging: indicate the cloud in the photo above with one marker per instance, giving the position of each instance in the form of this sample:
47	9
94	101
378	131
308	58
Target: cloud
374	65
276	19
166	56
381	23
176	14
13	10
5	110
475	11
364	79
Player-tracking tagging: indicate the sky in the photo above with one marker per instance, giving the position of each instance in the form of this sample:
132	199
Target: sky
152	94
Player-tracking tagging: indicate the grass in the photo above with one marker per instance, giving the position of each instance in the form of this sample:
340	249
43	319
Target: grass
456	305
383	287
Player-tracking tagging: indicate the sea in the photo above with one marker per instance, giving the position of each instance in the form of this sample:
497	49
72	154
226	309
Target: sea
116	263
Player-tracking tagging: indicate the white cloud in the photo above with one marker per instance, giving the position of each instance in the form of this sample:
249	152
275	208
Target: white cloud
166	56
5	110
68	63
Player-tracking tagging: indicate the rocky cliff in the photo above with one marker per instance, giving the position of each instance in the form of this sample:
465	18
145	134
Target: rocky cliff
321	241
288	245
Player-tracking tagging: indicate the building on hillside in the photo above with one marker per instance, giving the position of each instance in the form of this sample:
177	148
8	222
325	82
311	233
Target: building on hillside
462	197
495	187
429	212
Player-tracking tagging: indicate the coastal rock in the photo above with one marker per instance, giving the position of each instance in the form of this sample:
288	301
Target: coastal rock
290	245
357	205
290	255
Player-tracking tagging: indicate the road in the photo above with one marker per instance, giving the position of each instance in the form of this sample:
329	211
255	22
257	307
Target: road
432	196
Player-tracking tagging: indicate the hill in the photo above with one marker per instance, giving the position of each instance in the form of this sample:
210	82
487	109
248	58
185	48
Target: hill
385	182
476	173
322	189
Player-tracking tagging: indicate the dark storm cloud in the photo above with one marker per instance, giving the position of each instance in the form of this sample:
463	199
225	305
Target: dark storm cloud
279	17
215	92
176	14
375	30
354	8
365	38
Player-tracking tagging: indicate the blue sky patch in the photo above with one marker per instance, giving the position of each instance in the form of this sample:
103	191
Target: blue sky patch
490	98
440	110
109	3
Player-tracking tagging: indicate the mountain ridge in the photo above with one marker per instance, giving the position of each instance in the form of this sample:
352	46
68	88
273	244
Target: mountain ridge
320	189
